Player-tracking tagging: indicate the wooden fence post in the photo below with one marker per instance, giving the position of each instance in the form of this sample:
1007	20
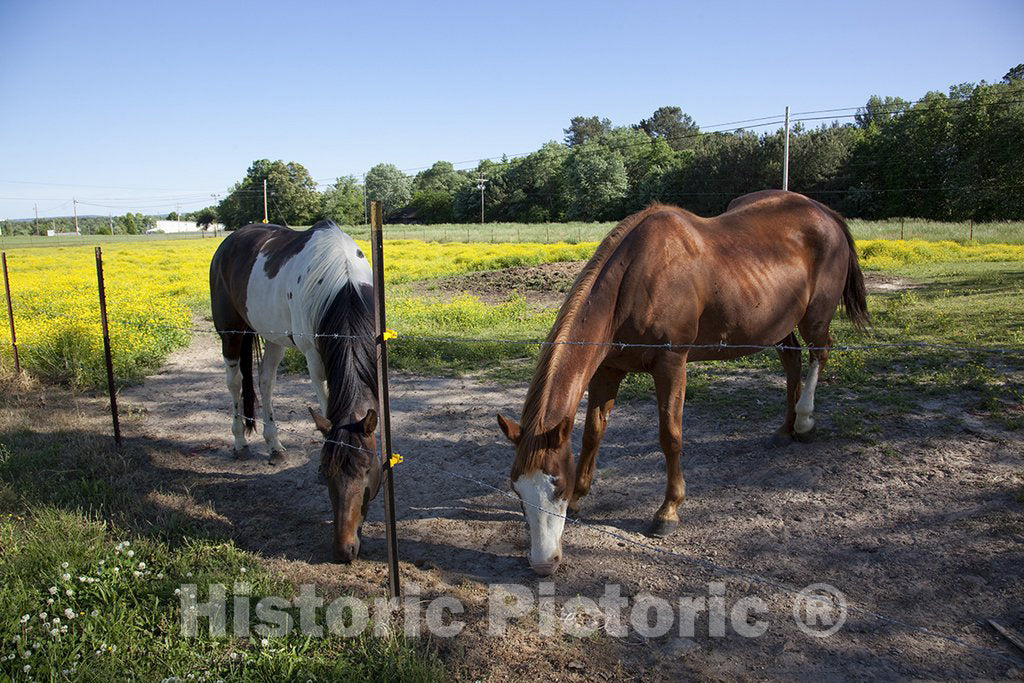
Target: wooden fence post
377	252
10	317
106	348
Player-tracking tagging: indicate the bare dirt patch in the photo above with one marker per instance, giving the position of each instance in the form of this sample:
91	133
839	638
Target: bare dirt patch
545	286
921	522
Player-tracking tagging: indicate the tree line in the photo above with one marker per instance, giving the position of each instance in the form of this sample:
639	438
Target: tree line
948	156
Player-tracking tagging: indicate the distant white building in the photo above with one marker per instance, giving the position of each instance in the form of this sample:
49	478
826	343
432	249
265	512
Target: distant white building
180	226
54	233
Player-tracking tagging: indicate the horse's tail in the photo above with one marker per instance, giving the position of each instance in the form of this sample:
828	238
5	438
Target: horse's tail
249	341
854	293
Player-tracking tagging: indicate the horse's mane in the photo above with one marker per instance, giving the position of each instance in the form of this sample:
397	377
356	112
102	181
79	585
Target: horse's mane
551	353
342	315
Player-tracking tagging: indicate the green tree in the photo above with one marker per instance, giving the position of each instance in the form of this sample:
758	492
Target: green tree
584	128
597	181
204	218
291	193
670	124
173	216
344	202
389	186
1014	74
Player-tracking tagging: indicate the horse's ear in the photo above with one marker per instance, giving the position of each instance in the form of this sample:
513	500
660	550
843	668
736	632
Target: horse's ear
322	423
556	436
369	423
511	429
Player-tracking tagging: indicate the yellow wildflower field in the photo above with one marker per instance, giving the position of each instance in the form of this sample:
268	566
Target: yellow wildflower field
155	289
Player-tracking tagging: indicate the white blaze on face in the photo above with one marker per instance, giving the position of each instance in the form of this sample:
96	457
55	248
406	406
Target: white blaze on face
545	518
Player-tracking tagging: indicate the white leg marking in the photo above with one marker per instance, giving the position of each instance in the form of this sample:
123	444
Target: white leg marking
319	377
805	406
234	379
272	356
545	518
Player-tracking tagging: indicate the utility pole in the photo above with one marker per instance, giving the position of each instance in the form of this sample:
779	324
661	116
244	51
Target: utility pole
111	219
75	203
35	223
480	185
265	201
785	157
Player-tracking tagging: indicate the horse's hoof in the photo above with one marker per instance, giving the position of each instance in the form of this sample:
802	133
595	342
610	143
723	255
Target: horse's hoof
661	528
780	439
277	458
806	437
241	454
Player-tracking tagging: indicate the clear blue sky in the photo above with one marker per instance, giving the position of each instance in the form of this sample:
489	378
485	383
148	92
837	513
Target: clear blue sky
139	105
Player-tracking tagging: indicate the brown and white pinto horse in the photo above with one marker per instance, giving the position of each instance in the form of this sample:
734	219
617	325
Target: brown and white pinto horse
774	262
312	290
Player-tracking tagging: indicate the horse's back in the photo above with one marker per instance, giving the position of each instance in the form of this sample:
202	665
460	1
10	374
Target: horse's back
281	280
746	276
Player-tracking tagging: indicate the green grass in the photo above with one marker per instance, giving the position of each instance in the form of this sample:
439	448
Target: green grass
20	241
78	544
1001	232
1005	232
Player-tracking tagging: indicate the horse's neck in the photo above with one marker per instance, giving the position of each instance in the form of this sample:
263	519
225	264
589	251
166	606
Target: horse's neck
571	365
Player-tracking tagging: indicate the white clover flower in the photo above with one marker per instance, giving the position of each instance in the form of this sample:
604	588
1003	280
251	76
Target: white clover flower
53	590
69	592
137	574
160	575
117	570
233	655
55	633
142	565
177	591
188	574
27	668
42	616
56	620
63	629
66	577
69	613
49	601
63	565
244	570
94	613
264	642
130	553
24	618
102	562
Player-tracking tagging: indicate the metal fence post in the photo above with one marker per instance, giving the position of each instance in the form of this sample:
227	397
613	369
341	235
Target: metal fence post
377	252
106	347
10	317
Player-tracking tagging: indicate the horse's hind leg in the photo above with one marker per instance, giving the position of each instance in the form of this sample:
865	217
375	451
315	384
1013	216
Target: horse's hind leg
790	357
272	355
670	387
231	347
819	341
604	386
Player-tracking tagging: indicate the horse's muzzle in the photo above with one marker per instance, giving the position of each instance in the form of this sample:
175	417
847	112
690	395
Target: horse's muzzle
346	553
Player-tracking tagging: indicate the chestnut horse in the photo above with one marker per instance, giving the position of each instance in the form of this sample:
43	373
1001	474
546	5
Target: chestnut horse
312	290
690	288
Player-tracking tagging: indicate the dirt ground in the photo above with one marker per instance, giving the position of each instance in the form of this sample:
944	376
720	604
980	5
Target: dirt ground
922	525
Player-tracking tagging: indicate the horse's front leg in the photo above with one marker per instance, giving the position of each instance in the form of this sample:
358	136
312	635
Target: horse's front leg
318	375
604	386
670	388
272	355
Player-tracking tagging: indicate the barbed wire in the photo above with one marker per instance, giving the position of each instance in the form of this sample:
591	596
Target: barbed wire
668	346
